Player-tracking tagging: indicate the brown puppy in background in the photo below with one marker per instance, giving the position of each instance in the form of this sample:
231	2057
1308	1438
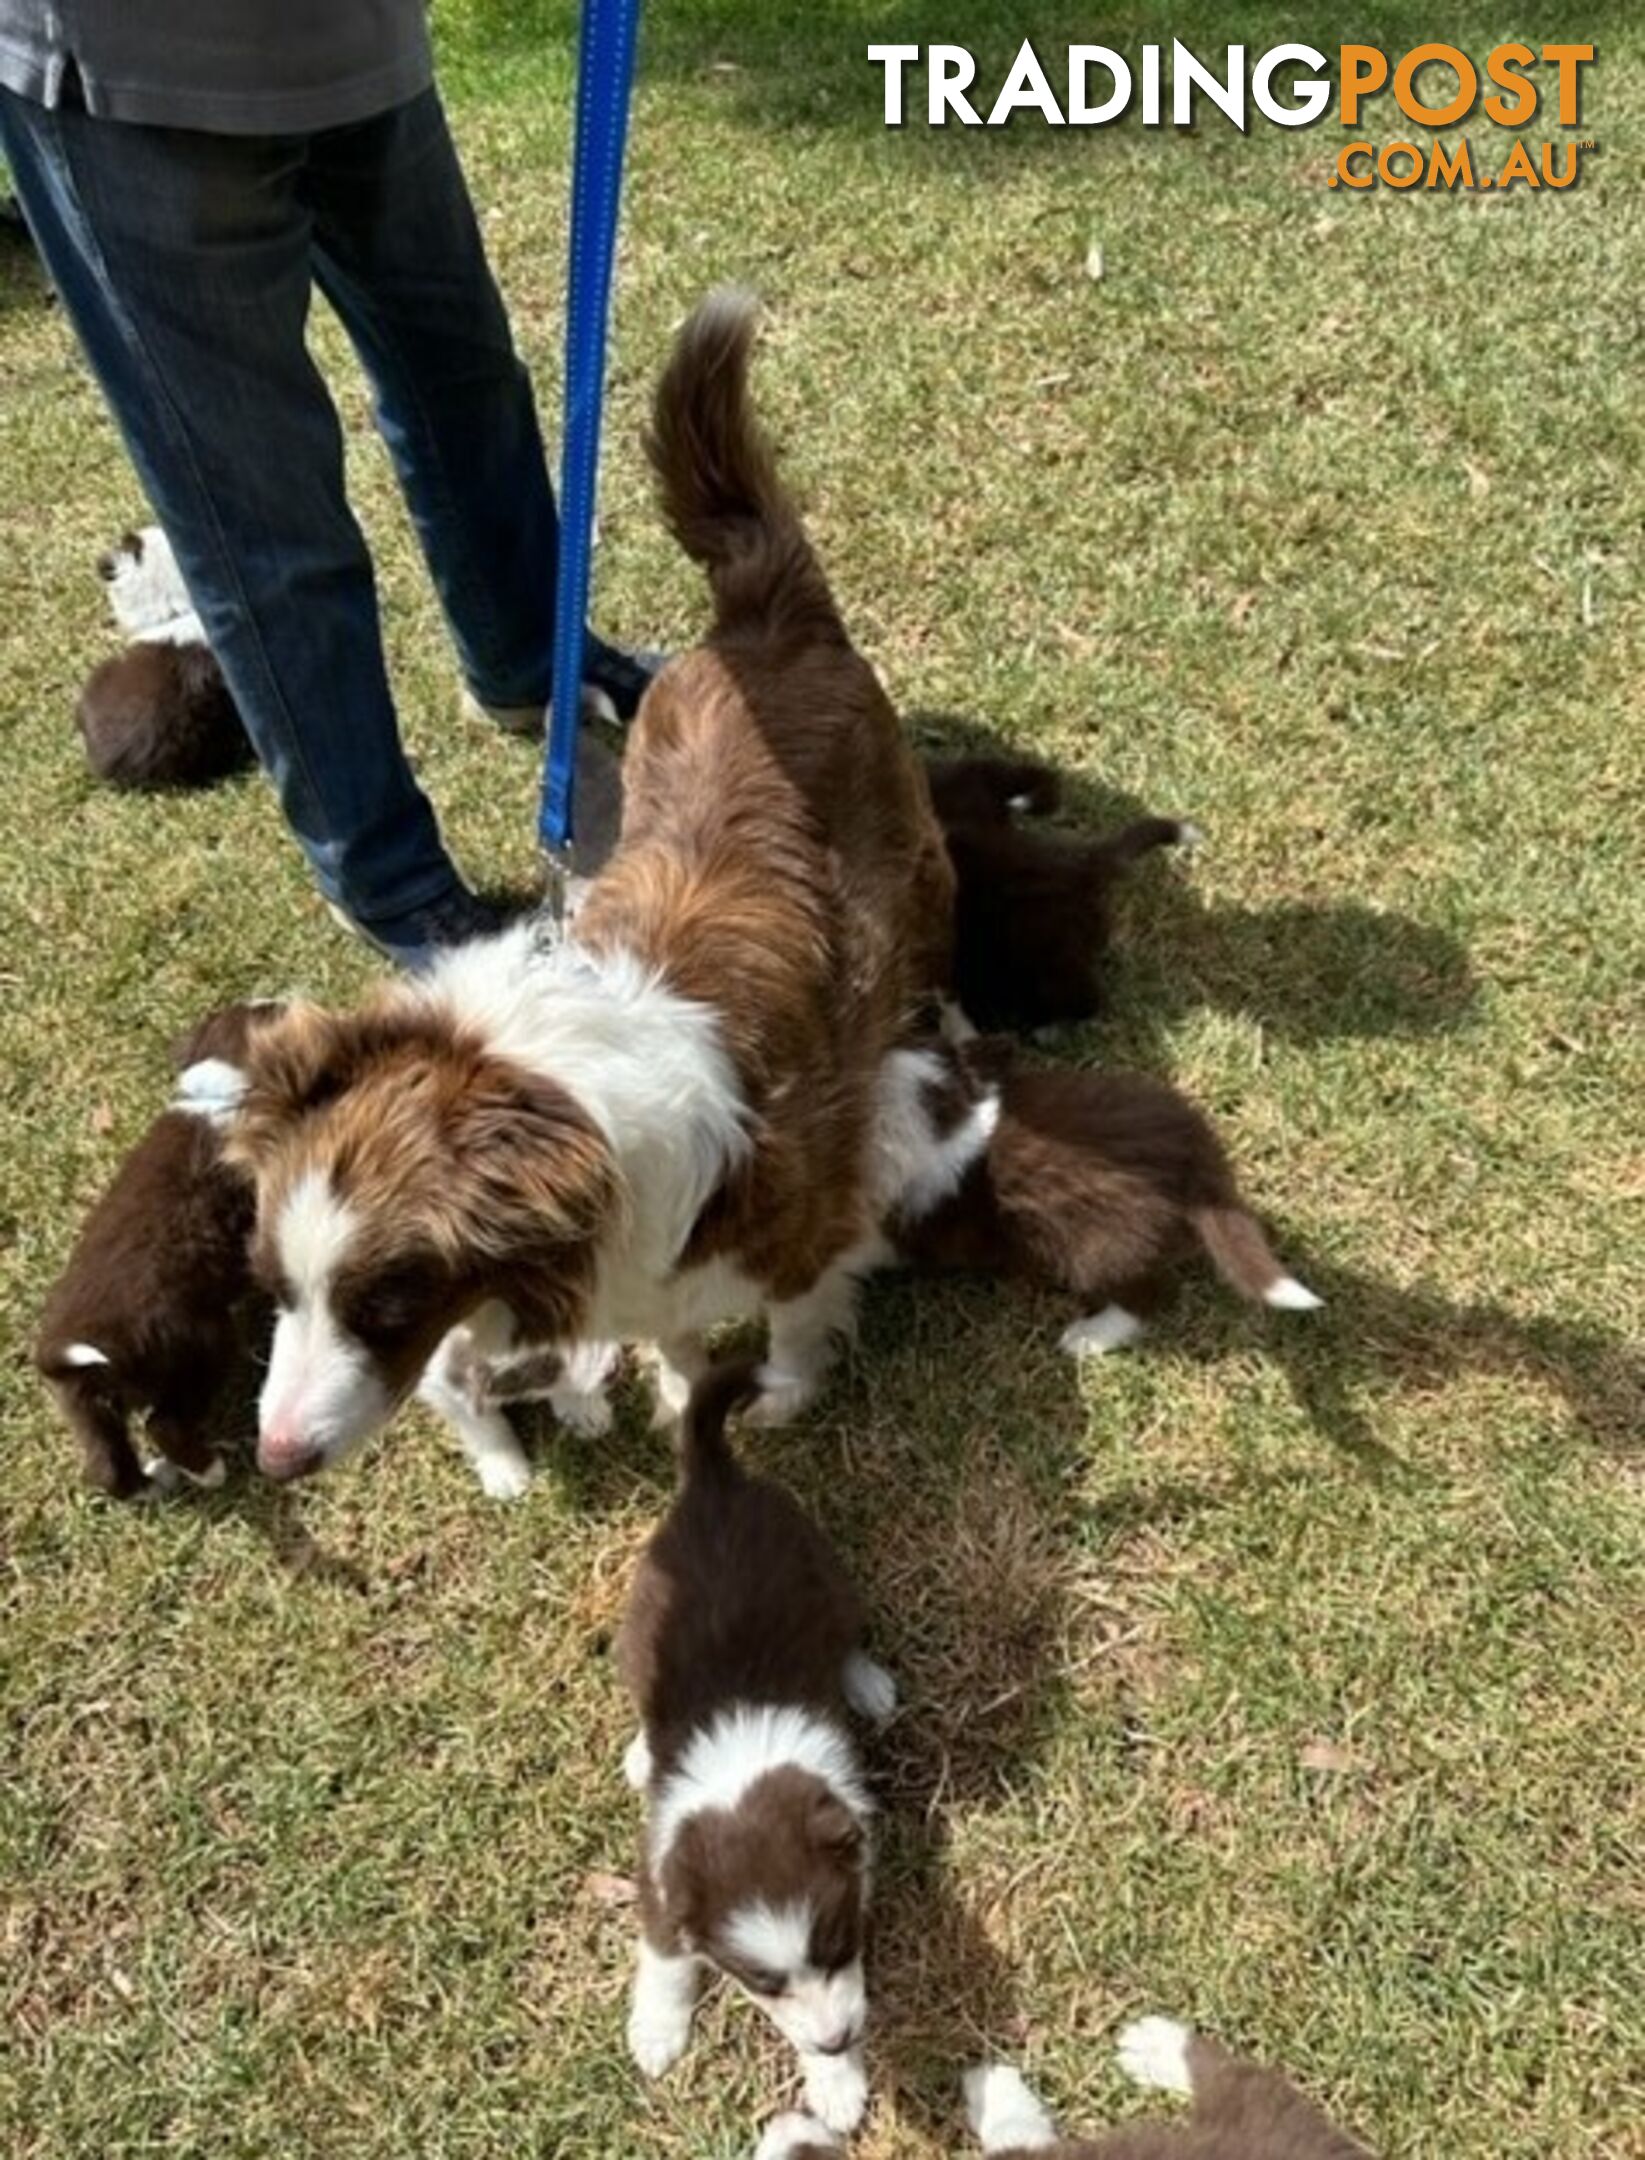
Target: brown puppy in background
1031	912
144	1316
1090	1182
742	1648
159	714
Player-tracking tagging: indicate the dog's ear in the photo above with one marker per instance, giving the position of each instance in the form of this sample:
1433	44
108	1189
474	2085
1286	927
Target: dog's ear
535	1188
833	1829
301	1060
224	1033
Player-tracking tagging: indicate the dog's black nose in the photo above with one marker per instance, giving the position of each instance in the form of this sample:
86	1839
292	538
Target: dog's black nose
107	564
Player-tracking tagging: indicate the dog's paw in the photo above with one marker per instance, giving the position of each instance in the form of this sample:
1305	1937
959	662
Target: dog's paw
783	1397
637	1762
1153	2052
869	1688
671	1391
836	2090
657	2036
503	1477
1002	2110
586	1415
792	2133
1111	1329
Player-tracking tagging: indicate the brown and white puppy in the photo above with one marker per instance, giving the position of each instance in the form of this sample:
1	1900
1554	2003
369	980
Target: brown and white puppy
1090	1182
742	1648
663	1118
144	1318
1240	2110
158	714
1031	908
990	790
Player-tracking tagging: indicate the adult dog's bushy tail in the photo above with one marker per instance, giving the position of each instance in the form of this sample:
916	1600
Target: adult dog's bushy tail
718	481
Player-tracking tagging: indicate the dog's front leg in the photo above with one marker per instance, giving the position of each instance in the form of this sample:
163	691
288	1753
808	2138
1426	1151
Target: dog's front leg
678	1362
578	1398
836	2088
488	1439
659	2017
805	1332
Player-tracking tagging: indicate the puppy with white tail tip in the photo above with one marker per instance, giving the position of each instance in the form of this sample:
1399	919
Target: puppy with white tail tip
1240	2111
742	1648
1094	1183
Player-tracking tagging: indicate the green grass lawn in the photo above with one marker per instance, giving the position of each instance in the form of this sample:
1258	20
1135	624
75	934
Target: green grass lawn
1285	1674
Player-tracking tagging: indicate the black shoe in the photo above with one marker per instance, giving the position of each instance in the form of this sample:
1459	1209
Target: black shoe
414	941
618	679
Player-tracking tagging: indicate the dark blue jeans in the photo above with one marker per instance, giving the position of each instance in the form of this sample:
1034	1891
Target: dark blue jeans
186	263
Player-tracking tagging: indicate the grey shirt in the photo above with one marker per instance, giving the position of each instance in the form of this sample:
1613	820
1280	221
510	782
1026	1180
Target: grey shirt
230	67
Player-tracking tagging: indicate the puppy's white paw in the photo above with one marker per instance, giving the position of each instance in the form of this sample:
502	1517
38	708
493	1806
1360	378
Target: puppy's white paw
869	1688
1003	2112
637	1762
782	1397
788	2134
1111	1329
214	1474
1153	2052
589	1416
672	1391
836	2089
503	1477
657	2036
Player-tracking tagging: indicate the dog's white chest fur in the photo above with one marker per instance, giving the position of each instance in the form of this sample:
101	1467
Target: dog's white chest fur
650	1068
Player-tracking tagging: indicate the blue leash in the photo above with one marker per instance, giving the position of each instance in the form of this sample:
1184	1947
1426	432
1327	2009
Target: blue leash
605	74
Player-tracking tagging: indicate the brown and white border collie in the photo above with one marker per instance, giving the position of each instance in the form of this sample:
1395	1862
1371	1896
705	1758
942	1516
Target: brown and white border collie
742	1648
1240	2111
1032	907
662	1119
158	714
1091	1182
143	1320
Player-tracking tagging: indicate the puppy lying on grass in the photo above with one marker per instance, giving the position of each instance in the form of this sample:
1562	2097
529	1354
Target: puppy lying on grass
144	1318
1240	2111
158	714
1090	1182
742	1649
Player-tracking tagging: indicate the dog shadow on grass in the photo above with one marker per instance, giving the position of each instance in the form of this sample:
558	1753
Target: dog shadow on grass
1375	1341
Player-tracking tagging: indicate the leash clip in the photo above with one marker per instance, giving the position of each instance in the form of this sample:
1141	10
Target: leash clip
559	877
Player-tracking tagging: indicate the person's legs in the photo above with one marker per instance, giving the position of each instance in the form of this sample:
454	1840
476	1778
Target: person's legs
399	254
184	261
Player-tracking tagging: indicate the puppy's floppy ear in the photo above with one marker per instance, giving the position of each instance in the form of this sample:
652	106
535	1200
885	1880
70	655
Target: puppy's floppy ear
833	1829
